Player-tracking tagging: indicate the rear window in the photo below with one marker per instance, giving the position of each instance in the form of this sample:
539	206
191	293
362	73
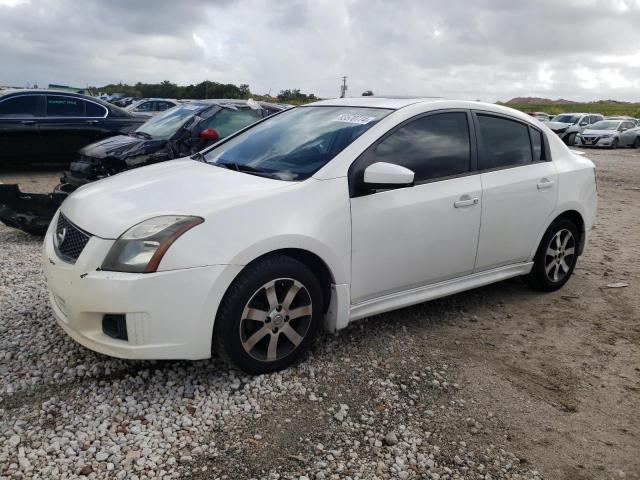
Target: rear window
95	110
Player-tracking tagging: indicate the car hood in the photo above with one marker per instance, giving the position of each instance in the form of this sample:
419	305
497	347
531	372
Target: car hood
121	146
598	132
558	125
107	208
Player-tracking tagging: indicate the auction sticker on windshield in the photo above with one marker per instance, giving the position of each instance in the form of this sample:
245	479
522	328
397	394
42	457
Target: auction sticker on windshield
353	118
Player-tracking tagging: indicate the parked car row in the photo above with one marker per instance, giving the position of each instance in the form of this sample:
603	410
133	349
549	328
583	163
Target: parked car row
95	140
593	129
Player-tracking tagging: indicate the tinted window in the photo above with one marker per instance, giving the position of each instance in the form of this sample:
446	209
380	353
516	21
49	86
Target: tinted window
95	110
227	121
145	107
595	118
433	146
24	105
536	144
503	142
59	106
162	106
628	125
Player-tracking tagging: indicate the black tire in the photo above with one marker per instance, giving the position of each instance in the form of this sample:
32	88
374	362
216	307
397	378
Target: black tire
636	143
556	277
614	144
248	288
571	139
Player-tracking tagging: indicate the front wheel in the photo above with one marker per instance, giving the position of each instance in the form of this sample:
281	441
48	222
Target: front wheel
636	143
270	316
556	257
614	144
571	139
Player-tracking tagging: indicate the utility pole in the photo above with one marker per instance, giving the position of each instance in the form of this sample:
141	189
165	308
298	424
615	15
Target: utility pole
343	87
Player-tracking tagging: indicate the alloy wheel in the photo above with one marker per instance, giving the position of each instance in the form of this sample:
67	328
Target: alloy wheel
560	255
276	319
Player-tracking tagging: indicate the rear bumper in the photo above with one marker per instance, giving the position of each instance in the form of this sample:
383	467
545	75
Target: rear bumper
169	315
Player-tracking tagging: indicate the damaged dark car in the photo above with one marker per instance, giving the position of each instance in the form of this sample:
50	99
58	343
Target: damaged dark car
178	132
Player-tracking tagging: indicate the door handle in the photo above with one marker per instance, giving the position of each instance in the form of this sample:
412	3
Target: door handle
466	202
545	183
28	122
92	121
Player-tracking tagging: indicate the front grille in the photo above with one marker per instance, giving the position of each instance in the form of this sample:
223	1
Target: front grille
69	240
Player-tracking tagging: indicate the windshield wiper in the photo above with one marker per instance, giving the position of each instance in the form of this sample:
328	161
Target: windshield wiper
142	134
238	167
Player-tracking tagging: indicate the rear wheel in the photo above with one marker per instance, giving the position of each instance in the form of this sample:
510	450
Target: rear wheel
556	257
270	316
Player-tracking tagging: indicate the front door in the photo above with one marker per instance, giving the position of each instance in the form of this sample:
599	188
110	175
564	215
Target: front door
410	237
20	141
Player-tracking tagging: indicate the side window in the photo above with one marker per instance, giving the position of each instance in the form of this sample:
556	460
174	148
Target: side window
95	110
59	106
594	118
145	107
537	144
433	146
503	143
628	125
162	106
228	121
21	106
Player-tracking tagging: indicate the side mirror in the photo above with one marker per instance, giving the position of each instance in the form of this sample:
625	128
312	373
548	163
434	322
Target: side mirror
623	129
209	134
381	175
583	124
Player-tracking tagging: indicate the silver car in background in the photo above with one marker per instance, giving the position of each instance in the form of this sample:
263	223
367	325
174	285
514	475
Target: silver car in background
149	107
568	125
610	134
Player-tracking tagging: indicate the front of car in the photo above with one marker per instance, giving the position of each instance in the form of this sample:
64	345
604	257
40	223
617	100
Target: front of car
143	146
137	264
565	124
601	134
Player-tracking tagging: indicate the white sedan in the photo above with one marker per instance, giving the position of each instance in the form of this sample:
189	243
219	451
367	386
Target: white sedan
311	218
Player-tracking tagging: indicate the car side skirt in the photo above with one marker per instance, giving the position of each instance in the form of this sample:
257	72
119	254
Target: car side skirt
437	290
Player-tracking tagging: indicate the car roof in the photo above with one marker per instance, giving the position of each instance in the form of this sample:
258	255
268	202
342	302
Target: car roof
393	103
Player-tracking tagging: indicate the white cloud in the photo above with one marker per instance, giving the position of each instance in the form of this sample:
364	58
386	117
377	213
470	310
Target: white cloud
493	49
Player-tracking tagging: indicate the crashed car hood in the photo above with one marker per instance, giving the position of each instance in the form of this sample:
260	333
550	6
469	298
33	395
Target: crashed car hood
109	207
121	146
598	132
558	125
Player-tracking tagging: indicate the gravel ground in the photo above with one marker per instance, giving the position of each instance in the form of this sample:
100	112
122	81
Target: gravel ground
500	382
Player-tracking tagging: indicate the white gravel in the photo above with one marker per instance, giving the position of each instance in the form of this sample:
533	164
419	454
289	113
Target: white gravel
345	413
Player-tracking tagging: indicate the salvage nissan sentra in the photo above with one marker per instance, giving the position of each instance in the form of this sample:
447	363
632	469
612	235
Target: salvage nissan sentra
311	218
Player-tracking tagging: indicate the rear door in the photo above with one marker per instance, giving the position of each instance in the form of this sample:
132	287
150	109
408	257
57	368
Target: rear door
20	139
519	189
70	123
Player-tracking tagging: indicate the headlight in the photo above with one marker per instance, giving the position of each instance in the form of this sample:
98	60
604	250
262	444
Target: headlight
140	249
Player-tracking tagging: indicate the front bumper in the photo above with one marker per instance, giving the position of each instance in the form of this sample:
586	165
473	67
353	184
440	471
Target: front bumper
594	141
169	315
30	212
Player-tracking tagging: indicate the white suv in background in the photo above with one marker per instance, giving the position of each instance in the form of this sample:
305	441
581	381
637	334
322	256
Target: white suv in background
311	218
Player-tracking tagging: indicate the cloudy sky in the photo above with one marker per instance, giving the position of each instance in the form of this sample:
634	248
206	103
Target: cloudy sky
481	49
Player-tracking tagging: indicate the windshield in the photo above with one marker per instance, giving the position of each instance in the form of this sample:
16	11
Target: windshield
566	118
605	125
165	125
297	143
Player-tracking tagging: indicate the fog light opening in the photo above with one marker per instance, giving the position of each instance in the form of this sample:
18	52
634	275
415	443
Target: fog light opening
115	326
